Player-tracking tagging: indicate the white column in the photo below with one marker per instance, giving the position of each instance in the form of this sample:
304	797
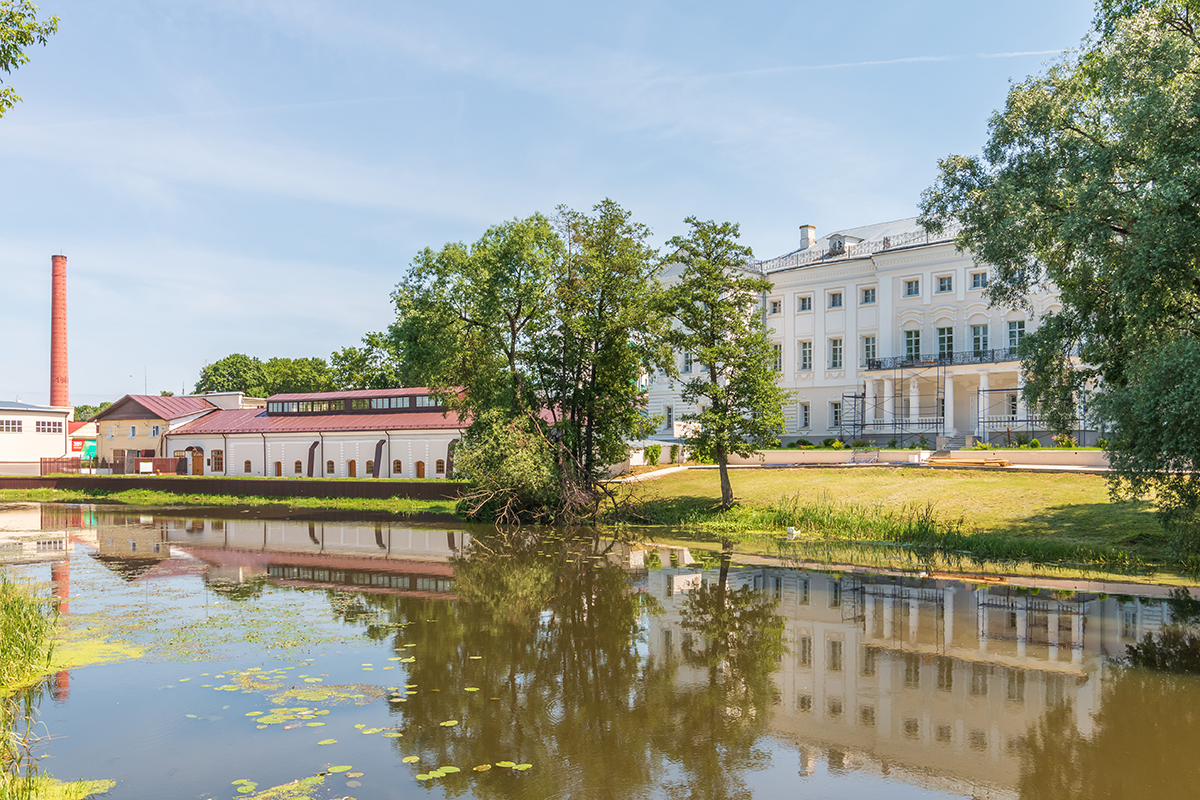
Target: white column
869	414
1021	414
984	403
1076	638
1022	627
889	611
889	400
868	615
948	615
914	618
914	400
1052	632
949	424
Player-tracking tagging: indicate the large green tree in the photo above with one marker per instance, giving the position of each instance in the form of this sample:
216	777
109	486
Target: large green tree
20	29
717	305
374	365
539	334
242	373
1089	182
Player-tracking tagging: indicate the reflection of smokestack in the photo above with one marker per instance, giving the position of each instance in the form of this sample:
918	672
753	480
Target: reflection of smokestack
60	585
62	685
59	391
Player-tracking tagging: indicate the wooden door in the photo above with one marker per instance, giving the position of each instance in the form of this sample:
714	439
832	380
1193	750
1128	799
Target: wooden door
197	463
278	469
420	469
353	469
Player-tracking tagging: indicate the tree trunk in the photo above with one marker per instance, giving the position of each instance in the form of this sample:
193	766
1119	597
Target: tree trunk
726	486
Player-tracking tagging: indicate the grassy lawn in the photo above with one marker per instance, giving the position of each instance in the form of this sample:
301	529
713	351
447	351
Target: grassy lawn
1032	511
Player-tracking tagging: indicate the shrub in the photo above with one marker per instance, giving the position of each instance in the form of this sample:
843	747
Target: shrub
980	445
802	443
652	454
1065	440
923	442
892	444
860	443
1034	444
1102	443
1022	439
674	453
837	445
828	442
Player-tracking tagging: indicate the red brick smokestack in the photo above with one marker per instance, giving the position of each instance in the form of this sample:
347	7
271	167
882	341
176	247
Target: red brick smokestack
60	395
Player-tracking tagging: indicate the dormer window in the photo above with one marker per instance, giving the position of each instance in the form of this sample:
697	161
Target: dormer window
837	245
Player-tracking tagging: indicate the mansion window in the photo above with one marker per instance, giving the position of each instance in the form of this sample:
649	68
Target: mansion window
835	299
687	363
246	467
868	296
439	467
670	418
869	351
397	467
298	468
946	283
776	306
328	467
835	353
804	303
218	460
1016	332
979	280
47	427
370	468
806	357
945	341
835	414
10	425
805	422
912	345
979	338
912	288
777	357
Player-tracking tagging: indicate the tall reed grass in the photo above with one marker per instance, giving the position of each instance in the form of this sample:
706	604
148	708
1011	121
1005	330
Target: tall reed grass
916	527
26	634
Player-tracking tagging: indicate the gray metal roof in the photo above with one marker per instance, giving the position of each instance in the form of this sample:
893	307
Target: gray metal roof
875	238
12	405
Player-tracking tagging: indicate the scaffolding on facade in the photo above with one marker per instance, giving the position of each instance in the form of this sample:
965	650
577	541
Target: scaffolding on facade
913	415
1004	413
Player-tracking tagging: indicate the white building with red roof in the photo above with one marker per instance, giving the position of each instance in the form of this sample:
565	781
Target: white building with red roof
368	433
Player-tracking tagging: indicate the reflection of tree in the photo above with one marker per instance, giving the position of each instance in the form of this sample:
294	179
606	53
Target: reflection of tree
1143	746
249	589
740	644
562	682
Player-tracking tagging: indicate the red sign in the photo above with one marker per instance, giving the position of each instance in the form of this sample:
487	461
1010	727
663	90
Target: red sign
77	445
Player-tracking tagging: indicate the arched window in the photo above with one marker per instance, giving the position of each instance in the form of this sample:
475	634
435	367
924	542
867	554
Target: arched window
328	467
397	467
353	469
370	469
439	467
246	466
299	468
278	469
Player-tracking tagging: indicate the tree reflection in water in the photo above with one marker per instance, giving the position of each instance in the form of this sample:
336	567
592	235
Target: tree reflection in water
565	681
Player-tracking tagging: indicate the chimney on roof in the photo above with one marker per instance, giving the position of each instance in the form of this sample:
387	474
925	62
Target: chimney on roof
60	395
808	236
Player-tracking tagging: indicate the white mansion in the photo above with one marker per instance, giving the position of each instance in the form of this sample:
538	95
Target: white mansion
884	332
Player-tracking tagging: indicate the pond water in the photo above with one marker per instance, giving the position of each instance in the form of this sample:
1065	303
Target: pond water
536	665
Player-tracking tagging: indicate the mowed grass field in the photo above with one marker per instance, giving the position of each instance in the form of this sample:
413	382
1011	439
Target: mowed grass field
1070	508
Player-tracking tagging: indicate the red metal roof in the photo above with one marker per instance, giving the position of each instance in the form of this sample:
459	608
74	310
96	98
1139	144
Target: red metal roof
348	395
255	420
156	407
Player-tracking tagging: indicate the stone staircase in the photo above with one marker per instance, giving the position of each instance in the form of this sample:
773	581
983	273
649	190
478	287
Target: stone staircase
954	443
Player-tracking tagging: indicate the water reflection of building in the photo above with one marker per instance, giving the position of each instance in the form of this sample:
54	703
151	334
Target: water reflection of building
935	678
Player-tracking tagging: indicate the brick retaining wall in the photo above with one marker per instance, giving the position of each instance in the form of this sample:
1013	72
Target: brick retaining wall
257	487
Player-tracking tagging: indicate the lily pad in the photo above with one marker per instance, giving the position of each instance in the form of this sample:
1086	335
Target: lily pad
522	767
411	759
449	770
345	768
509	764
392	734
314	724
483	767
472	689
423	776
327	741
450	723
354	774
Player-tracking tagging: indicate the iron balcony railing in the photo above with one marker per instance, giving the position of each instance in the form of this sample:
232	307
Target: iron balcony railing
994	355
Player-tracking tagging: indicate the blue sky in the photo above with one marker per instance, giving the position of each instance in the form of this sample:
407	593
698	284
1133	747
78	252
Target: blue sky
256	175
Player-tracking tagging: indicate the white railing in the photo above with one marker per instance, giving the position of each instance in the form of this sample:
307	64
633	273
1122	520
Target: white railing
858	250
